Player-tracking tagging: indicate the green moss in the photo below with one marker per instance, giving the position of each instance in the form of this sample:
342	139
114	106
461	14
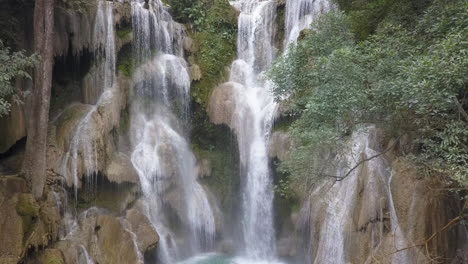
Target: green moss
367	15
214	55
126	61
29	212
218	145
215	34
124	33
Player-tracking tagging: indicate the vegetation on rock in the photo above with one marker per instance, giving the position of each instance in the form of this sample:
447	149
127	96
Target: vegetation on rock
409	78
214	29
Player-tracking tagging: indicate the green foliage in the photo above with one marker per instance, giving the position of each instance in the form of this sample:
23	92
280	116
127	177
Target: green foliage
214	31
80	6
12	65
214	54
124	33
126	62
366	15
409	79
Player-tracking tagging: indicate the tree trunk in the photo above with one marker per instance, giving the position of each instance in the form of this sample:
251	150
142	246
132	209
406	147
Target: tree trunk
35	162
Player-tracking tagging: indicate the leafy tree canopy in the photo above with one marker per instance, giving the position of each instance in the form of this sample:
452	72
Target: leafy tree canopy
408	78
12	65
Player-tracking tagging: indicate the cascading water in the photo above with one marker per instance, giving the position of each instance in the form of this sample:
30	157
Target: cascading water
300	14
82	156
253	118
162	156
331	210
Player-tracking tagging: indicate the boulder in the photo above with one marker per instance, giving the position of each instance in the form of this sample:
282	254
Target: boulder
120	169
52	256
115	243
222	103
24	223
147	236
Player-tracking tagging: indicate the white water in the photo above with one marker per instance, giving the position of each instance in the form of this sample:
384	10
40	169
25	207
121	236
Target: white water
81	156
332	207
162	156
253	118
300	14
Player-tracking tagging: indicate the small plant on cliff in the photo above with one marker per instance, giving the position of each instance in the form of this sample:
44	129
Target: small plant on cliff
12	65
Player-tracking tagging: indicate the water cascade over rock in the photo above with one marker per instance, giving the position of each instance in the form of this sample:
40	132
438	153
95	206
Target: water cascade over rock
162	156
300	14
252	120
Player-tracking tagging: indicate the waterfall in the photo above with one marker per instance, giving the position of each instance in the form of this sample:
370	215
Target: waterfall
82	154
253	118
162	156
300	14
330	213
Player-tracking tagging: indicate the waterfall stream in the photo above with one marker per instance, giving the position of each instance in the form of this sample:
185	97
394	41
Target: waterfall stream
253	119
82	157
162	156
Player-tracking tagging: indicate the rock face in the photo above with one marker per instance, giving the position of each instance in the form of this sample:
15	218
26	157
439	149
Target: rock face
121	169
383	206
280	145
105	238
116	244
24	223
222	104
141	226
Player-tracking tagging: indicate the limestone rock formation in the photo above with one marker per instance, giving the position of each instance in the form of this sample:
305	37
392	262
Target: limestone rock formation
120	169
141	226
222	103
24	223
280	145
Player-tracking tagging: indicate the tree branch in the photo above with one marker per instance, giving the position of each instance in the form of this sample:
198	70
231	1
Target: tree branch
460	109
340	178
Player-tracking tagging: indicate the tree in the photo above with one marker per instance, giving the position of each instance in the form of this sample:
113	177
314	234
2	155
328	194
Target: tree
12	66
34	163
406	79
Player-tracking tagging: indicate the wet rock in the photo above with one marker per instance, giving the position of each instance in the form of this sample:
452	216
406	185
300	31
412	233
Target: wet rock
280	145
222	103
121	169
115	243
204	168
147	236
24	223
52	256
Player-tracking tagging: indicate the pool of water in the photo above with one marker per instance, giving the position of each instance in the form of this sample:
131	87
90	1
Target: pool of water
215	258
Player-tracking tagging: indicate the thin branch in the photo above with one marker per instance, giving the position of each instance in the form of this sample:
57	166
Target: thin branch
425	243
460	109
340	178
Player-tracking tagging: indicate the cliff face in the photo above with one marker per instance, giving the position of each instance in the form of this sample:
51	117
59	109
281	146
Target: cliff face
385	211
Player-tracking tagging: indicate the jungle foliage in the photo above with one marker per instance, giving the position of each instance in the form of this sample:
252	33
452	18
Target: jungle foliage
214	29
12	65
409	77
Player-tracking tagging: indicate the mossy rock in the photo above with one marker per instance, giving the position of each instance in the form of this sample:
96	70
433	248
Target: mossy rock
28	209
52	256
